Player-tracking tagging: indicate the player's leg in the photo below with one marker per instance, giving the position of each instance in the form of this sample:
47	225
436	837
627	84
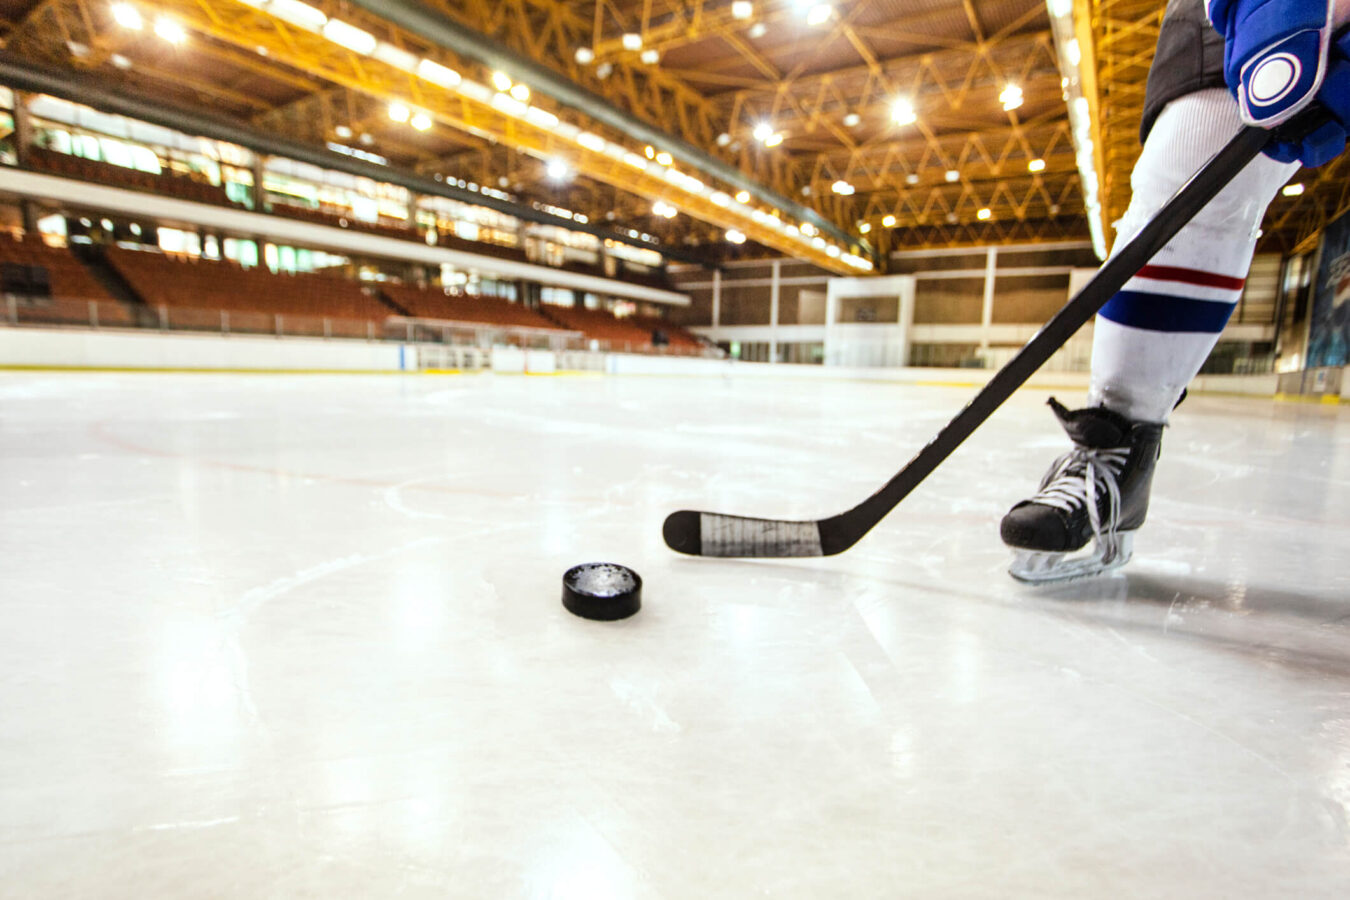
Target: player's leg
1152	337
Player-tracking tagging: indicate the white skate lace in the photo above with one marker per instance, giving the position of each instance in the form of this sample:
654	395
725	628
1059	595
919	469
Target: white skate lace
1079	478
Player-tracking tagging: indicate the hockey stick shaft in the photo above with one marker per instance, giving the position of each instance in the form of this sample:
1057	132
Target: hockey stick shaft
712	534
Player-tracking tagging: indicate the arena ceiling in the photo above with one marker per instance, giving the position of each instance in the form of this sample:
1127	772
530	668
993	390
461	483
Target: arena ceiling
807	100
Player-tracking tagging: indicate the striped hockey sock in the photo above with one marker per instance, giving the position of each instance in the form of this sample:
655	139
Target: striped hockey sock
1152	337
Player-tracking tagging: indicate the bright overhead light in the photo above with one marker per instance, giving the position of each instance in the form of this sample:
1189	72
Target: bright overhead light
650	57
343	132
604	70
395	56
421	121
120	61
1011	97
984	214
557	169
520	92
584	56
399	113
501	81
593	142
902	111
349	36
650	151
1073	52
664	159
631	41
808	229
912	178
127	16
170	31
757	31
723	139
742	9
832	251
1061	8
438	74
952	176
818	243
773	140
664	210
852	119
298	13
888	222
1036	165
1292	190
819	14
763	131
742	196
735	237
865	227
843	188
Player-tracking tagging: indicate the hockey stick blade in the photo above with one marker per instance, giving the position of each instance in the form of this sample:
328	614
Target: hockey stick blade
713	534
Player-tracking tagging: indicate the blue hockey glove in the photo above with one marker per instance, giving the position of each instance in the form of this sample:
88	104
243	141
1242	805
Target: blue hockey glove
1280	58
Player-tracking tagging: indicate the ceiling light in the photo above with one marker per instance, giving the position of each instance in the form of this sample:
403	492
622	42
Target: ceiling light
664	159
865	227
723	139
584	56
395	56
842	187
170	31
832	251
632	41
819	14
952	176
852	120
757	30
650	57
902	111
984	214
888	222
818	243
735	237
501	81
77	49
127	16
349	36
438	74
911	178
421	121
399	113
743	197
1061	8
520	92
298	13
1292	190
557	169
774	140
808	229
664	210
593	142
120	61
742	9
1011	97
763	131
1036	165
343	132
541	118
603	70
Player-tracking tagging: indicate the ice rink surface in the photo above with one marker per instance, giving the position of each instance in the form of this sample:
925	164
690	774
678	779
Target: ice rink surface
269	636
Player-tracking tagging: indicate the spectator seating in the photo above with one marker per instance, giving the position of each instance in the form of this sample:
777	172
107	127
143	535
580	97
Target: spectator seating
322	217
169	185
223	285
675	335
67	284
435	304
600	326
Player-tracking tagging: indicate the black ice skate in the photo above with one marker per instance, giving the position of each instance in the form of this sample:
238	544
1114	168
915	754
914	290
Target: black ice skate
1097	492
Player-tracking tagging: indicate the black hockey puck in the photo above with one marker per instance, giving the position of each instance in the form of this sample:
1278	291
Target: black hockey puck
603	591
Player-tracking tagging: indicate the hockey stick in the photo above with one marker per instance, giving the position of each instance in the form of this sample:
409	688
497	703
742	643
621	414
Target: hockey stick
713	534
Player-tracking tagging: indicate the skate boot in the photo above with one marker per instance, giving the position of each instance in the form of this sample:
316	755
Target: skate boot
1096	493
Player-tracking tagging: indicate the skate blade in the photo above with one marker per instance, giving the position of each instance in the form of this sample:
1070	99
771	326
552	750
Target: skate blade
1035	567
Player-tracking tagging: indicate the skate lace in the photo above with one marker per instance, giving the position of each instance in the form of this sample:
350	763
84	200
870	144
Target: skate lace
1082	478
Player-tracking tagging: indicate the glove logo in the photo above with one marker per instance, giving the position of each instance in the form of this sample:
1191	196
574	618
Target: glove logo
1273	78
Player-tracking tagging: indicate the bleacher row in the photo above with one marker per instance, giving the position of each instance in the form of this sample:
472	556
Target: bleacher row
198	290
169	185
62	276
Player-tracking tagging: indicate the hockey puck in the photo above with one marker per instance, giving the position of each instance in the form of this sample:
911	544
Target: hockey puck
602	591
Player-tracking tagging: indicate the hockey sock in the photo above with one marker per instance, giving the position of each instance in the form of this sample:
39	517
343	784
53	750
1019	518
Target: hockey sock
1153	336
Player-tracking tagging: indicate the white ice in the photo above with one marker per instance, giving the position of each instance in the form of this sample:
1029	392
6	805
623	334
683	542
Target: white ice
269	636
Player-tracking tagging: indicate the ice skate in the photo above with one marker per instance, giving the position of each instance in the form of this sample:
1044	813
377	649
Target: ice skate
1096	494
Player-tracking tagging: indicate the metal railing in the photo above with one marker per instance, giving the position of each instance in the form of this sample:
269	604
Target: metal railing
104	315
